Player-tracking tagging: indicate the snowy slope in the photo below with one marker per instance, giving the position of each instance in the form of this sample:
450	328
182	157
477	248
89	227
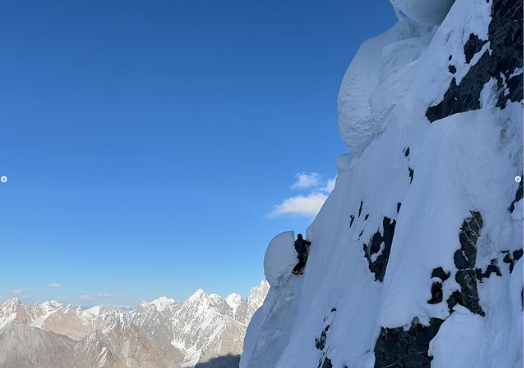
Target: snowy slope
416	255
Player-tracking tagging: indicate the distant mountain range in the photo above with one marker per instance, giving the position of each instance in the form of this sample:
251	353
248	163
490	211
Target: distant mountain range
205	330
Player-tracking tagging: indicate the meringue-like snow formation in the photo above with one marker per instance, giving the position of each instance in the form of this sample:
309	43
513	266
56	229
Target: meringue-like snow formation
416	256
430	12
376	79
280	258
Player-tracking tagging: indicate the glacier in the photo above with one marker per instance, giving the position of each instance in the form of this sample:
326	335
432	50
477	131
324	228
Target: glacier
416	256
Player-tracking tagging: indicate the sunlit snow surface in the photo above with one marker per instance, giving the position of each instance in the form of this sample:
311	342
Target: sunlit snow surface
462	163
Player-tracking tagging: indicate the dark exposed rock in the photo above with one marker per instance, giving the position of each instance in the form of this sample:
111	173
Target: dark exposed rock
398	207
472	46
440	273
465	259
452	69
362	232
514	85
505	37
461	262
320	343
411	174
351	219
333	310
397	348
468	236
493	267
518	197
327	363
453	300
366	217
360	208
511	258
380	262
406	152
468	295
436	293
508	258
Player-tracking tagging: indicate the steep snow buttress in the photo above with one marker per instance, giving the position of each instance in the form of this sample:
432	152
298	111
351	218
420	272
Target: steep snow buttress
416	256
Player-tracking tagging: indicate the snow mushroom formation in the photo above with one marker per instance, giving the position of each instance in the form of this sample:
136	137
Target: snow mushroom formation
416	257
280	258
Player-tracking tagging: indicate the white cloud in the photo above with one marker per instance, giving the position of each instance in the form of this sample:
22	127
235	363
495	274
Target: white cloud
18	291
307	206
53	285
306	180
85	297
330	185
106	294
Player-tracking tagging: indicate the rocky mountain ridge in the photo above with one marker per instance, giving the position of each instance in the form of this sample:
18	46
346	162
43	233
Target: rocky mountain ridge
163	333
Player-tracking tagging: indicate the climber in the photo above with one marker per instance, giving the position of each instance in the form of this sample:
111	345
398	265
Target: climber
302	250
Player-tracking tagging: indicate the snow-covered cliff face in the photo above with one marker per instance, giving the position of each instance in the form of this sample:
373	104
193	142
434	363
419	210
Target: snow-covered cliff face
416	257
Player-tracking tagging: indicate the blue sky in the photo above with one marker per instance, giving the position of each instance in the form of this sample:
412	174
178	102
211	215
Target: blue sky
148	143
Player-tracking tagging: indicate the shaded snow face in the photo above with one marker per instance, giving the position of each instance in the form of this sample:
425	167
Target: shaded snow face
429	12
375	81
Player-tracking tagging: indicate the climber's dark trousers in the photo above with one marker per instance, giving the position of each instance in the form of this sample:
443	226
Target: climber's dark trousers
302	259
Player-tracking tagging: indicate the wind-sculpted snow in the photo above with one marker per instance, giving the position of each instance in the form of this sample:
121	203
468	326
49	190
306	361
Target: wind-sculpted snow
375	81
444	288
431	12
279	258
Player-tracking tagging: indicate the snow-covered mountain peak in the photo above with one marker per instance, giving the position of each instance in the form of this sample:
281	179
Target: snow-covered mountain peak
158	334
51	305
11	302
163	303
234	301
215	297
199	294
93	311
258	293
